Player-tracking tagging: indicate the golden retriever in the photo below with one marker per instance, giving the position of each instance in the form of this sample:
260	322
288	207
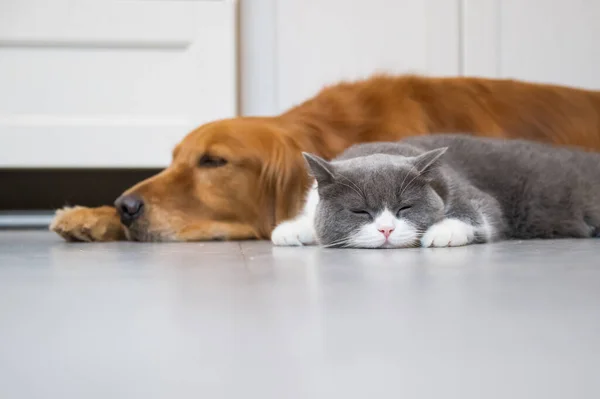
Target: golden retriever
238	178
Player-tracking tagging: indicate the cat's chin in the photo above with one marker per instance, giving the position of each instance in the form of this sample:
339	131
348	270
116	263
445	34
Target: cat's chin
390	245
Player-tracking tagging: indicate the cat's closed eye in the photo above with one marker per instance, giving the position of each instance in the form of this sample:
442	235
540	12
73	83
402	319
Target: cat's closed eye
402	209
361	212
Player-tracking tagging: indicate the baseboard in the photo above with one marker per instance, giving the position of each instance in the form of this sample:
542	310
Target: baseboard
25	219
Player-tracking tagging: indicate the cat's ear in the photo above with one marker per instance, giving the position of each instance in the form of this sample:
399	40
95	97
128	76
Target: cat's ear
320	168
429	161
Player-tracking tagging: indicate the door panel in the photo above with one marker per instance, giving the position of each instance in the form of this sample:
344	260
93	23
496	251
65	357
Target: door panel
111	83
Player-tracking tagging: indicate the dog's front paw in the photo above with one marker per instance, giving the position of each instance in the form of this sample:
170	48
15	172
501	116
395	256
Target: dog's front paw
448	233
294	233
88	224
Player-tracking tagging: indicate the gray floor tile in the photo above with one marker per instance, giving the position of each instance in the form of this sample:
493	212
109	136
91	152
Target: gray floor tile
246	320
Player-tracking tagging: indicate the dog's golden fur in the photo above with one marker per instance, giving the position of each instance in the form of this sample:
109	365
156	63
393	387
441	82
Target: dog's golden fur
264	179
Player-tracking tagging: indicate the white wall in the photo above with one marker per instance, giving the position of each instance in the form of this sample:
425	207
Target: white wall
554	41
291	48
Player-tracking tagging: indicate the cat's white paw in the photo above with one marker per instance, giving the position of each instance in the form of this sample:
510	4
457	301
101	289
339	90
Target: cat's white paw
448	233
294	233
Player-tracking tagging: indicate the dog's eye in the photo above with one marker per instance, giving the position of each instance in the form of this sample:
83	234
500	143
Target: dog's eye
209	161
402	209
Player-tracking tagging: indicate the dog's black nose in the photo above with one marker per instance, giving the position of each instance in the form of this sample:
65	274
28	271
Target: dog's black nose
130	207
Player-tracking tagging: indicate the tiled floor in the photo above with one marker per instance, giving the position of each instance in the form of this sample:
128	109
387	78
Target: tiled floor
245	320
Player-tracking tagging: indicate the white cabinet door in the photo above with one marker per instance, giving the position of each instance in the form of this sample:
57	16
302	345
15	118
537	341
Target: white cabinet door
320	42
111	83
551	41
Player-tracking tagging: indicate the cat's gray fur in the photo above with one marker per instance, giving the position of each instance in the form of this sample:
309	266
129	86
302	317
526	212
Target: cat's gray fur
522	189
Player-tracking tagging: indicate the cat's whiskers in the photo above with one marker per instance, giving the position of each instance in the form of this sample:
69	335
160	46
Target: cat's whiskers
415	244
341	242
356	187
404	180
350	181
417	232
352	188
363	239
408	184
402	186
374	241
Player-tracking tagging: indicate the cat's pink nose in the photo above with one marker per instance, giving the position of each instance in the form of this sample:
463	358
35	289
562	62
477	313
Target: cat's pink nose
386	231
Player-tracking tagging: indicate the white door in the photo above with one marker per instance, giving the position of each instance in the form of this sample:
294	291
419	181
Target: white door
550	41
111	83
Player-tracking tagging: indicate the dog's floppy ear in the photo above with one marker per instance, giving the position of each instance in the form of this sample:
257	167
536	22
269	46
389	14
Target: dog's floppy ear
286	179
320	168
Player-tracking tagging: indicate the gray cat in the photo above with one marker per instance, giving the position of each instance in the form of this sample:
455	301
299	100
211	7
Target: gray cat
447	190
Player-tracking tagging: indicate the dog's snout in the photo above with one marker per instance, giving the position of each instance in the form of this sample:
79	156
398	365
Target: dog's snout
130	207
